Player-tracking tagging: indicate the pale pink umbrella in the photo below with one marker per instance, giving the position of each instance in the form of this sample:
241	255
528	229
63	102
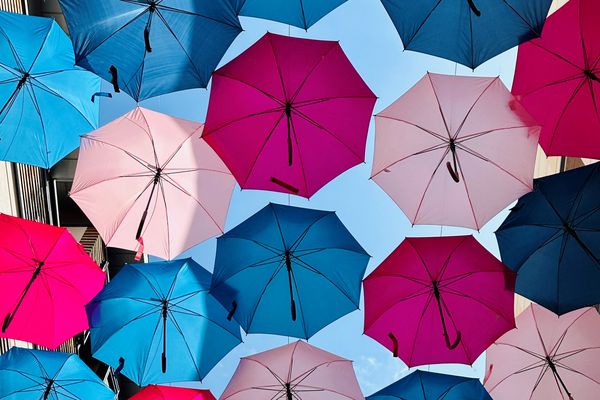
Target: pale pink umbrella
297	371
145	181
455	150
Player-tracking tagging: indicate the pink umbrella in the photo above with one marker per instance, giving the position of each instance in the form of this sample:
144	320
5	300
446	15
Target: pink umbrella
143	179
289	115
46	279
297	371
155	392
455	150
547	357
439	300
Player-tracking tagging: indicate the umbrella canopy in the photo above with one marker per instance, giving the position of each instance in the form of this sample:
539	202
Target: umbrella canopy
38	81
557	78
46	279
468	32
297	371
304	265
158	185
152	47
439	300
289	115
547	357
455	160
300	13
34	374
180	330
551	239
154	392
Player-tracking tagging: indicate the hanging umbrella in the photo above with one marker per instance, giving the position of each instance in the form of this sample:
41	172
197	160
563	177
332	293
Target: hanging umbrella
180	330
152	47
38	81
289	115
304	266
297	371
34	374
439	300
146	179
46	279
154	392
552	240
557	78
547	357
455	160
300	13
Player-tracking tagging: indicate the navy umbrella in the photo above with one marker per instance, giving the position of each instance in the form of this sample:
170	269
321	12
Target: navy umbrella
300	13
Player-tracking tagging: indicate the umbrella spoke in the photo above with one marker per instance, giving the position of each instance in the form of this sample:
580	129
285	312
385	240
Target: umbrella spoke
430	180
564	111
476	300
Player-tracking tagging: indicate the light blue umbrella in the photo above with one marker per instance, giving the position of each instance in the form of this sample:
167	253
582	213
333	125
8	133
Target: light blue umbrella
300	13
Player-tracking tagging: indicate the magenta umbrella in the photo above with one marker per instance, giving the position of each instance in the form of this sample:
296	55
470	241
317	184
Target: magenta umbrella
289	115
439	300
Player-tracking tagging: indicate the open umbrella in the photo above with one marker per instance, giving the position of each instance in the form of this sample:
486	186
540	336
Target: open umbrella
46	279
155	392
146	179
303	266
297	371
439	300
300	13
159	324
289	114
38	81
552	240
449	159
547	357
152	47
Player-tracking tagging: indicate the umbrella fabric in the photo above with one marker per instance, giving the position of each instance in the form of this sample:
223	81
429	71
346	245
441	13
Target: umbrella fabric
152	47
557	78
46	279
547	357
439	300
297	371
146	178
300	13
455	160
38	81
468	32
180	330
422	385
34	374
305	270
289	115
552	240
154	392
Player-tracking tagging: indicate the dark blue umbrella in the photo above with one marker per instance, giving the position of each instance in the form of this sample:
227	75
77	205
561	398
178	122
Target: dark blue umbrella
151	47
288	271
552	240
300	13
469	32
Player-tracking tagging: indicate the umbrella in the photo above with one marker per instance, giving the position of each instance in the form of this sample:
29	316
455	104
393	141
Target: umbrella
158	185
439	300
154	392
289	115
300	13
46	279
34	374
551	239
152	47
38	81
547	357
305	270
557	78
469	32
297	371
433	386
180	330
455	160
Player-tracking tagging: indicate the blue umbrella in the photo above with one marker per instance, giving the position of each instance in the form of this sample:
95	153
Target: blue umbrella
152	47
46	102
300	13
422	385
552	240
157	323
469	32
34	374
288	271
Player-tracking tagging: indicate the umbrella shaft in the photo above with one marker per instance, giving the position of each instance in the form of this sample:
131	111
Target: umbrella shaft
474	8
9	317
288	263
164	353
557	376
48	389
145	213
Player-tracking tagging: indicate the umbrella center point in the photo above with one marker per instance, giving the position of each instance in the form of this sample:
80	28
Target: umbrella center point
591	75
436	289
288	109
152	6
24	79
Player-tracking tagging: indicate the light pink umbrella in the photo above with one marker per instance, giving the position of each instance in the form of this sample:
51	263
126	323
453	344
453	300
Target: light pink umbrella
145	181
455	150
297	371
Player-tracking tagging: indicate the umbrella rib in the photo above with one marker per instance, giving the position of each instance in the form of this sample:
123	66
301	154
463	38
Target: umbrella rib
147	131
274	250
320	100
409	41
556	55
425	308
564	111
39	113
313	69
191	13
245	117
304	233
140	161
429	184
270	96
279	228
561	356
408	278
539	380
448	258
278	69
153	337
437	99
14	136
168	225
577	372
187	346
302	317
39	51
473	106
13	50
547	242
558	82
555	349
417	293
578	200
462	344
432	133
264	289
476	300
532	28
476	135
176	151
